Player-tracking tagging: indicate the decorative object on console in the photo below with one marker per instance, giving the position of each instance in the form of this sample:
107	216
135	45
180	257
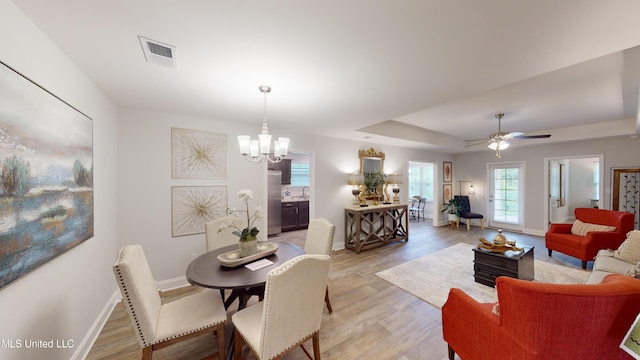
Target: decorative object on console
248	241
373	181
355	180
392	179
259	150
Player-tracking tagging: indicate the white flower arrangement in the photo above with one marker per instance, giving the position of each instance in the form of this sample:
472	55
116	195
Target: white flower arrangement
250	232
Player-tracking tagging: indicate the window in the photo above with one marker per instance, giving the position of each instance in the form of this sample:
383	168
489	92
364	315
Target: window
300	174
421	180
596	180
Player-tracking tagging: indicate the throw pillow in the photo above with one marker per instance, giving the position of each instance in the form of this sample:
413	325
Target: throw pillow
629	250
582	228
635	271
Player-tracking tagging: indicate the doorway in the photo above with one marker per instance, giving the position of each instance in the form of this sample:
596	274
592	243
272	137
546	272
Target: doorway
421	183
506	200
572	182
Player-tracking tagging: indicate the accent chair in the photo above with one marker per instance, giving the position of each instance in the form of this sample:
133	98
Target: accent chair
543	321
464	208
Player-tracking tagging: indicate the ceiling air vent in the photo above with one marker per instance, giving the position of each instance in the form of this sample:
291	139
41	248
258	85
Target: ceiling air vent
159	53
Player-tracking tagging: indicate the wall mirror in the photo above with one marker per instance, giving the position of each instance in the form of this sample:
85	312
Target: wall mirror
372	168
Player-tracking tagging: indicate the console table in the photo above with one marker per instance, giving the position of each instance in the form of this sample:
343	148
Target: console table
375	225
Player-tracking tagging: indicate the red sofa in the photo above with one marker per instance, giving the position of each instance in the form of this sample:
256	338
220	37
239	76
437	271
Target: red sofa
585	248
543	321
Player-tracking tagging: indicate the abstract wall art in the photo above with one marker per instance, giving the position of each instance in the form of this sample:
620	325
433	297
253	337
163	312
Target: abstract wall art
46	176
198	154
193	206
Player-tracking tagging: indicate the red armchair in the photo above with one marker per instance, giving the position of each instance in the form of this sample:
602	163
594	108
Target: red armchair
585	248
543	321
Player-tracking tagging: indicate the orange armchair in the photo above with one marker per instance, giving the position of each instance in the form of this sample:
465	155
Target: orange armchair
543	321
585	248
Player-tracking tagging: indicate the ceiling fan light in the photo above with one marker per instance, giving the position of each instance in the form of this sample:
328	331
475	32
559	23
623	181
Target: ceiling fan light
499	145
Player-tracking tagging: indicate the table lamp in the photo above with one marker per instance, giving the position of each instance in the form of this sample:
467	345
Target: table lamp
394	180
357	181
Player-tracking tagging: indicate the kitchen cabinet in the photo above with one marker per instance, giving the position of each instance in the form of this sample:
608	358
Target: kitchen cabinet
295	215
285	167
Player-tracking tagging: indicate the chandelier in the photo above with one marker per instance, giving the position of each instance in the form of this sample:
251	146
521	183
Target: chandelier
258	151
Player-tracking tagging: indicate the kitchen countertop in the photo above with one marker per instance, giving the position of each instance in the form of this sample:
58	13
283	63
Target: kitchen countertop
295	199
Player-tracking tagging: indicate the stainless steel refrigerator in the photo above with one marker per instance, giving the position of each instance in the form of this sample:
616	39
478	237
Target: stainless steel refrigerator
274	186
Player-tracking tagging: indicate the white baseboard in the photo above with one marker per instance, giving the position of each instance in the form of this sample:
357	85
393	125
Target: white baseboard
83	349
174	283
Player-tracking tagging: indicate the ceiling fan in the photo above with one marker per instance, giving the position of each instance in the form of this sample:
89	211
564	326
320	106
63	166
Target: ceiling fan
501	140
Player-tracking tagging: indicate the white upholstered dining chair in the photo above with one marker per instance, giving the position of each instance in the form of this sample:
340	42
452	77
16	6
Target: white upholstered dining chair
215	239
157	325
319	241
291	312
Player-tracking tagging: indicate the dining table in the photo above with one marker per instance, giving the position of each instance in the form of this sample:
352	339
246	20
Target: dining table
207	271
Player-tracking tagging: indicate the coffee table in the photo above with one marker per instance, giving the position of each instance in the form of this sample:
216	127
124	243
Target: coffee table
489	265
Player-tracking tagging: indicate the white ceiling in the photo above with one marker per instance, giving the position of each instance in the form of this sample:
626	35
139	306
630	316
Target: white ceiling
419	73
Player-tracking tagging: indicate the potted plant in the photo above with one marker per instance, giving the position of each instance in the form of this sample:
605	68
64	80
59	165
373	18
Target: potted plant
451	208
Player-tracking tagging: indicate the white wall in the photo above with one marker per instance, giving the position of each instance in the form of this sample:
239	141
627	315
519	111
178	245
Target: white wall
62	299
144	182
619	152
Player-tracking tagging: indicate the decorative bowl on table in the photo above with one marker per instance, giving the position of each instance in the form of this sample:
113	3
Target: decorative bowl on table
233	259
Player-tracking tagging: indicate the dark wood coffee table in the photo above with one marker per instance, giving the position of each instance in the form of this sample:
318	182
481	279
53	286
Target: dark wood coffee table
488	265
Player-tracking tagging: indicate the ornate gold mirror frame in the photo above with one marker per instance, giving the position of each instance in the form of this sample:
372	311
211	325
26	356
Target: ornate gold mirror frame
372	168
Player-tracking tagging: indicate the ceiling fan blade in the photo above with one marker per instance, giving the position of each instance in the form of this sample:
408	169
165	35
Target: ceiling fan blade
512	135
533	136
477	143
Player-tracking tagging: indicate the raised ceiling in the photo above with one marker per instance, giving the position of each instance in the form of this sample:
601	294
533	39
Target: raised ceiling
425	74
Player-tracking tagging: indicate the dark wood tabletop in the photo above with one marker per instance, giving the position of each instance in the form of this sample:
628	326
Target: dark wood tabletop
206	270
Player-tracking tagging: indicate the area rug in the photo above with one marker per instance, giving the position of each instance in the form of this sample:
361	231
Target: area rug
431	276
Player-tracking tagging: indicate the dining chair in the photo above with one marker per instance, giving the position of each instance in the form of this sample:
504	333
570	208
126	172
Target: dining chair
158	325
215	239
291	312
416	207
319	241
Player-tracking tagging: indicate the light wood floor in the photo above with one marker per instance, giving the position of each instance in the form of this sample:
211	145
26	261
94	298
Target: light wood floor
371	318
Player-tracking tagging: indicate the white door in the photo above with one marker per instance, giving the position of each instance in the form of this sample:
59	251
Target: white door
506	200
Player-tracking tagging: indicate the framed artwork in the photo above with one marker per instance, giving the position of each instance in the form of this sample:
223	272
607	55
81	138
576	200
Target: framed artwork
193	206
447	171
198	154
447	193
631	342
46	173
